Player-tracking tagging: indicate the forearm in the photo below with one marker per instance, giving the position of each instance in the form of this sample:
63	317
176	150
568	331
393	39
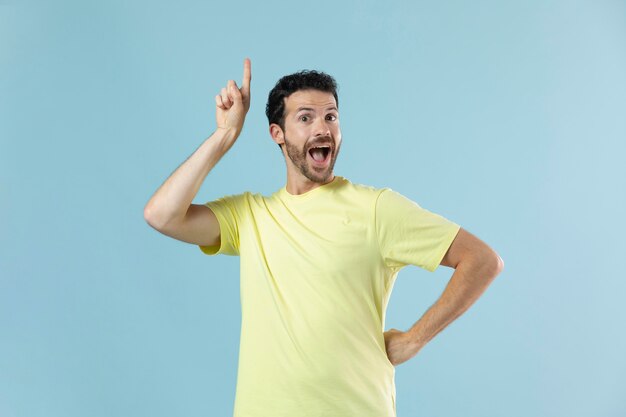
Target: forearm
172	200
469	280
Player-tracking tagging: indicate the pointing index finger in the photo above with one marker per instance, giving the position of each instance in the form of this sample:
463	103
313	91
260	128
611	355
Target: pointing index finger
247	75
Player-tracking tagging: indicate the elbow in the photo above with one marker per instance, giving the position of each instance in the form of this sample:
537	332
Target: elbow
500	264
496	264
151	216
148	215
487	263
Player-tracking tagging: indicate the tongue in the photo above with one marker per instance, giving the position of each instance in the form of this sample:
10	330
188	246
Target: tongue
317	154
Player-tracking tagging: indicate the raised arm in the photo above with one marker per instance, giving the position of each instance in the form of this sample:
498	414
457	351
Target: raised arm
170	209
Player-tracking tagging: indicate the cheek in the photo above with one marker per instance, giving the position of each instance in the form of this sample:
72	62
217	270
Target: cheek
298	132
337	135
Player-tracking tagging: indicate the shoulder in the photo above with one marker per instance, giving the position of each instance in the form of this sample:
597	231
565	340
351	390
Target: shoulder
382	199
238	202
363	190
254	201
243	196
239	206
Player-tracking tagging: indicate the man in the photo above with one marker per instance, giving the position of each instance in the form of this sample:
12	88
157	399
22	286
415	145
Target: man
318	260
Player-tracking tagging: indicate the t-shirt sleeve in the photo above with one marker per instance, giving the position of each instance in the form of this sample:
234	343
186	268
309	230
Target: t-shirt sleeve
409	234
228	211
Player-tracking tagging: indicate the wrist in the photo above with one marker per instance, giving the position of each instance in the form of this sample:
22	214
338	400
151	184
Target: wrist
226	136
416	338
229	132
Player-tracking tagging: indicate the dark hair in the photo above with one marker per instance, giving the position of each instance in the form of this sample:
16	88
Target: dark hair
289	84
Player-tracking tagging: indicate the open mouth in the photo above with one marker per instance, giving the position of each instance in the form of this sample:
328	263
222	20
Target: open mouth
320	153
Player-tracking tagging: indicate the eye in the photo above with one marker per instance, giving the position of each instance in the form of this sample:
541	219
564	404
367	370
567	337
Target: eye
304	118
331	117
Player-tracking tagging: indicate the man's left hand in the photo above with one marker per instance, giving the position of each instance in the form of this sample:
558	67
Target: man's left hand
400	346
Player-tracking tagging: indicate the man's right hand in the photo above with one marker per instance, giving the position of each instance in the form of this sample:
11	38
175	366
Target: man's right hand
232	104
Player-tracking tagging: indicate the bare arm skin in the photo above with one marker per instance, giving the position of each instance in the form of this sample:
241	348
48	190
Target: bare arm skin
476	265
170	209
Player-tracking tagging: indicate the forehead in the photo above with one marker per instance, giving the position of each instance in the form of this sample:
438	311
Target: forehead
311	99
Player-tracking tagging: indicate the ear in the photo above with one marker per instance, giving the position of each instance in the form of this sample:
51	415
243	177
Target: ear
277	134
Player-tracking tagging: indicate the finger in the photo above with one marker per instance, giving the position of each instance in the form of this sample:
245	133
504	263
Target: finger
247	76
233	91
218	102
225	98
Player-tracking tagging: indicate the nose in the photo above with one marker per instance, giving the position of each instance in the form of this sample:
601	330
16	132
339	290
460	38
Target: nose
320	127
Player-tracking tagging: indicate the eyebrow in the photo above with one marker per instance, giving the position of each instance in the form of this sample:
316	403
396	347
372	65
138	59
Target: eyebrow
311	109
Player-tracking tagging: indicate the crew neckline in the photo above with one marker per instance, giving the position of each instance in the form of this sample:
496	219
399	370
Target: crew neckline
284	193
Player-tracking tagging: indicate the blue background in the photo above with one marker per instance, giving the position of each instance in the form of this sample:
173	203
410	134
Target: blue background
508	118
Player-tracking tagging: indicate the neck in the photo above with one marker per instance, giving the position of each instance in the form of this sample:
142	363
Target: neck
299	184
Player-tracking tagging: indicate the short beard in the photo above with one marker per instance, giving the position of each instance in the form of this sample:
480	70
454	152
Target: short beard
299	159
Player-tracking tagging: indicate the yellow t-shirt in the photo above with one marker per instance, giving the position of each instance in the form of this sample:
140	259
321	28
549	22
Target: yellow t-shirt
317	270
